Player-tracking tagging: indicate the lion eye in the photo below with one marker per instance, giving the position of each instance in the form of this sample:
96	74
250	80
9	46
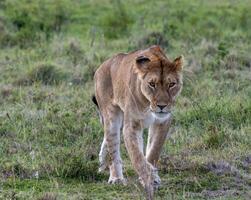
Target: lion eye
171	84
152	84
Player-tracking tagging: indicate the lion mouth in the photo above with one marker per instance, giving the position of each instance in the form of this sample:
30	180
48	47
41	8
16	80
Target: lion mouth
161	114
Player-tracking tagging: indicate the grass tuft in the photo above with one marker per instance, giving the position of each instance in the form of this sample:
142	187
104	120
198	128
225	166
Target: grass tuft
48	196
153	38
214	138
116	23
50	134
47	74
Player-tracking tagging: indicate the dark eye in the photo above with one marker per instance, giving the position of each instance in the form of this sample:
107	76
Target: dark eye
171	85
152	84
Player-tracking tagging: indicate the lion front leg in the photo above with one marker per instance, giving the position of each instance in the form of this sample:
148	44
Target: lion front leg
110	149
156	138
132	132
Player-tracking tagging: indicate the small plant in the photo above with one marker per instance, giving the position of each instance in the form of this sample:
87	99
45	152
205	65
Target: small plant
117	22
214	138
223	50
2	32
47	74
153	38
30	20
75	52
48	196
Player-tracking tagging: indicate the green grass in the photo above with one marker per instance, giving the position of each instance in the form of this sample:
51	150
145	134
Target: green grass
50	133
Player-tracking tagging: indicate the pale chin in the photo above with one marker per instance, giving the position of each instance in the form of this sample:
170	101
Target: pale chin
161	116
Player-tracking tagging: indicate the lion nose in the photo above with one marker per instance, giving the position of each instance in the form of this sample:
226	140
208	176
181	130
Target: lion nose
161	106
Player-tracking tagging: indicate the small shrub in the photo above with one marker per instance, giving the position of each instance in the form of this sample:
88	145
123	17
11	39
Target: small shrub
48	196
237	61
223	49
171	29
75	52
218	112
89	72
78	166
154	38
15	169
45	73
214	138
29	21
84	76
245	21
2	32
6	91
116	23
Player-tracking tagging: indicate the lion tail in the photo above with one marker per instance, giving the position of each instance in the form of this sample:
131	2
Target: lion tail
94	100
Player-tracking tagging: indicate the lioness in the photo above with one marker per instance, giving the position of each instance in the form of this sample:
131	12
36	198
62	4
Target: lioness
136	90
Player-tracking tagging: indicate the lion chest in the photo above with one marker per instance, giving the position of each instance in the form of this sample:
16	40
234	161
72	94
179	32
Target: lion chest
148	120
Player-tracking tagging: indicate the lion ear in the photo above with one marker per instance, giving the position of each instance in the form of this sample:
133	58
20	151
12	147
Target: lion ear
141	61
178	63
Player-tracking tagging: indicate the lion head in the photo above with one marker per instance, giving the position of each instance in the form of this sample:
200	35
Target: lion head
160	80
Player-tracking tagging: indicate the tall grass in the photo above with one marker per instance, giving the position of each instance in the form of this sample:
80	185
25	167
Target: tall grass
49	129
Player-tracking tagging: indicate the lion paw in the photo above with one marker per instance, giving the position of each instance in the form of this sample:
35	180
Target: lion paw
103	167
116	180
156	182
154	178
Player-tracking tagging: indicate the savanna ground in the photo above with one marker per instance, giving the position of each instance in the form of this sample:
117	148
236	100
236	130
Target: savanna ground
49	130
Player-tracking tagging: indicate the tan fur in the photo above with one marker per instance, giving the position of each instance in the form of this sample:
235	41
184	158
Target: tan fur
131	89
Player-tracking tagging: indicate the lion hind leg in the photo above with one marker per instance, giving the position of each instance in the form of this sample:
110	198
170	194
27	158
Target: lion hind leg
103	160
112	125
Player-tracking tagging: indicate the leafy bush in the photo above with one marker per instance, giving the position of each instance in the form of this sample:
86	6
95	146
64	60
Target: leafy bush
116	22
74	166
45	73
48	196
214	138
223	49
212	112
75	52
31	20
2	31
153	38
